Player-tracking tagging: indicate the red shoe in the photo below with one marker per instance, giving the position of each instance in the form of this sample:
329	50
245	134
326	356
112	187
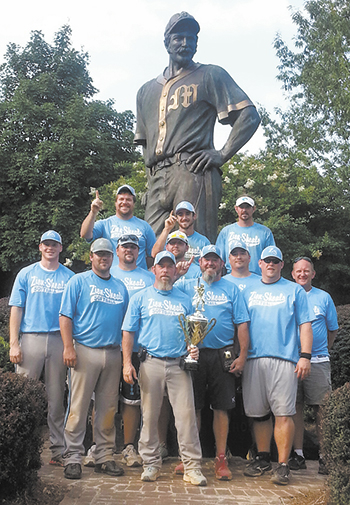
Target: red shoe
179	469
222	471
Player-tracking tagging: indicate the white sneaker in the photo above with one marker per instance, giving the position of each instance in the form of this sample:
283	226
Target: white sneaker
195	477
89	458
150	474
130	456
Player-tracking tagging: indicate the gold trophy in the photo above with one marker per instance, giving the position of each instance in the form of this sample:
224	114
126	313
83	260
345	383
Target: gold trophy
195	327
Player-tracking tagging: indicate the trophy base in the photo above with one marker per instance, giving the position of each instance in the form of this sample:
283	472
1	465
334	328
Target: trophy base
188	364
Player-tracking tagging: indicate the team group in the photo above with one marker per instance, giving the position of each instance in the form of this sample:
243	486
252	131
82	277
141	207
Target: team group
116	329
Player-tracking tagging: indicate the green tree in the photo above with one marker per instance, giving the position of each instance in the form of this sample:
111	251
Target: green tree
55	143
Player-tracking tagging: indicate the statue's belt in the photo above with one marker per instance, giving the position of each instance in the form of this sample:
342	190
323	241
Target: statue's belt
177	159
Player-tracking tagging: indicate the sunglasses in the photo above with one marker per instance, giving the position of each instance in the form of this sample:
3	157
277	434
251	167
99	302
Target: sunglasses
305	258
275	261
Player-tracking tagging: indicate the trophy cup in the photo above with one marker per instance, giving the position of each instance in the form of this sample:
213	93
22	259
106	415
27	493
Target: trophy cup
195	327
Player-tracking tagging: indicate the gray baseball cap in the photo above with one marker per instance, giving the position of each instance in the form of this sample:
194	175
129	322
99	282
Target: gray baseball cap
101	244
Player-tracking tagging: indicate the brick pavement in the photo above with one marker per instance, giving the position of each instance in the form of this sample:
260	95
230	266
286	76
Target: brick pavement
97	489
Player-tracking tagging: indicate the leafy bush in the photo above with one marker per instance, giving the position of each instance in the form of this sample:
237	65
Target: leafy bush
4	318
22	409
336	443
340	353
5	363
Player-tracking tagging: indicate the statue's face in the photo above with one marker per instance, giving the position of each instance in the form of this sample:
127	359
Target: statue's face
182	47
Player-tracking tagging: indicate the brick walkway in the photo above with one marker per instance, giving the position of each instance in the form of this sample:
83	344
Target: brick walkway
94	489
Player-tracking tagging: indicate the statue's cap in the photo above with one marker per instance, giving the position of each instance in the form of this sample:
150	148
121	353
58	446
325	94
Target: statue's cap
183	18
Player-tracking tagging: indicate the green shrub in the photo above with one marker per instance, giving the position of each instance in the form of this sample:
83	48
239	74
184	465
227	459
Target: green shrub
22	408
5	363
4	318
340	353
336	443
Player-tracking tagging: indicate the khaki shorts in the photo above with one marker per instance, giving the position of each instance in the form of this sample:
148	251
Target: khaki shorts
314	388
269	385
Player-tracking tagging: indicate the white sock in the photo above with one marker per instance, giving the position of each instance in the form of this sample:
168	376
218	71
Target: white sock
299	452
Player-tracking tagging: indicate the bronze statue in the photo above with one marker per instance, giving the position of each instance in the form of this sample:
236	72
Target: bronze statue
176	114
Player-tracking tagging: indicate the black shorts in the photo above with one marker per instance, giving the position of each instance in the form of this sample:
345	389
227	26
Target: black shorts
211	377
130	393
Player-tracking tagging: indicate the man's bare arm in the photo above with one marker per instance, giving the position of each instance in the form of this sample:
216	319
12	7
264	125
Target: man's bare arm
69	354
168	226
16	315
88	223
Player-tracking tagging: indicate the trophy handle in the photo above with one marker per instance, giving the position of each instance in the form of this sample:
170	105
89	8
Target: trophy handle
211	325
182	321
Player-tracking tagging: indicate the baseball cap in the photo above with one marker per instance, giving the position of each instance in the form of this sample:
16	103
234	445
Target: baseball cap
51	235
211	248
235	244
272	252
101	244
245	199
178	235
182	18
164	254
128	188
128	239
184	205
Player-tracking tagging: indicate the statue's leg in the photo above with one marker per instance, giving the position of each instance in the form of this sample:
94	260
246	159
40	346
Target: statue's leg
159	198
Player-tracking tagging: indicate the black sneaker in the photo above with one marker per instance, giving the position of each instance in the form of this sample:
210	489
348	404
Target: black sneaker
297	462
322	469
109	468
281	474
257	467
72	471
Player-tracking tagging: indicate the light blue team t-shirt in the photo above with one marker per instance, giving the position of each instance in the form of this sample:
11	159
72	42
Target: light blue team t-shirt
276	311
196	242
113	227
243	282
134	281
97	307
224	302
39	292
325	312
255	237
155	315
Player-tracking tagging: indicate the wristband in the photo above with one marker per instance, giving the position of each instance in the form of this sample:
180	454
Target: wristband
306	355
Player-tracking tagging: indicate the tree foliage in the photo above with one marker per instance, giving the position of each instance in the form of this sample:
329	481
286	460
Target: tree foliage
55	142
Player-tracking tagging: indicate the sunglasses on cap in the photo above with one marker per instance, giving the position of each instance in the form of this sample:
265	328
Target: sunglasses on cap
275	261
305	258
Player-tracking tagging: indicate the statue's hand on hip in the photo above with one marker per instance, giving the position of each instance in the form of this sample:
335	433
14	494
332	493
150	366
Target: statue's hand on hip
204	160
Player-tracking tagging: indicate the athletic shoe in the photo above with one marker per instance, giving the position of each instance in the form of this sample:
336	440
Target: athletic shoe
56	461
89	458
258	466
72	471
195	477
163	451
150	474
130	456
281	475
297	462
222	471
109	468
322	469
179	469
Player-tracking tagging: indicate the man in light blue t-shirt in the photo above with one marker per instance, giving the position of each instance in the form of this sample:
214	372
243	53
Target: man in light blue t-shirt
313	389
255	236
35	302
185	217
279	312
154	313
124	222
239	260
91	314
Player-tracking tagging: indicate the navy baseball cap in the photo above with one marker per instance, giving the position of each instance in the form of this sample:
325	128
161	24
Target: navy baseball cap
51	235
211	248
101	244
164	254
184	205
272	252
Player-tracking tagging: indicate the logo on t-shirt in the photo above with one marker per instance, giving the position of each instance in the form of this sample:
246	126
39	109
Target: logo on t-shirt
265	299
132	285
165	307
317	310
210	298
38	285
105	295
117	231
244	237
